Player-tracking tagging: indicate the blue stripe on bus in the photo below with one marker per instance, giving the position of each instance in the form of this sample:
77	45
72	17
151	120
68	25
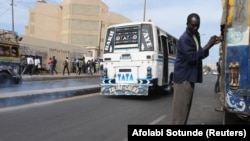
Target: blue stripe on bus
170	60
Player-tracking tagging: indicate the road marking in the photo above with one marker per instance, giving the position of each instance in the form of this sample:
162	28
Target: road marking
157	120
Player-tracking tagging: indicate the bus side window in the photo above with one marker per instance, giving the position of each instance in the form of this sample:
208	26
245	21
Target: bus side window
164	42
4	51
170	46
14	52
159	41
174	46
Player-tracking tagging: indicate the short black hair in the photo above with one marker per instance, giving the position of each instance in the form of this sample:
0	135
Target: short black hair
190	16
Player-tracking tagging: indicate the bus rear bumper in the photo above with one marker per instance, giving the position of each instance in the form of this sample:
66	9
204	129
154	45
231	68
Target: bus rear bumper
125	89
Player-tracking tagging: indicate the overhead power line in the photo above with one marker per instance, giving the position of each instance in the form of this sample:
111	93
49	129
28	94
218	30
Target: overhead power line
5	11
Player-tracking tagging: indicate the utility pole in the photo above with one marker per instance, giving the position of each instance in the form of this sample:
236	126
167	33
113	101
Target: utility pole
100	37
12	5
144	13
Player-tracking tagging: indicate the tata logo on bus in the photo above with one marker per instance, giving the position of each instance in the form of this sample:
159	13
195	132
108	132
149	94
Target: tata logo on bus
125	77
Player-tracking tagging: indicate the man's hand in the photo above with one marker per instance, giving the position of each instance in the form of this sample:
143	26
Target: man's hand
218	39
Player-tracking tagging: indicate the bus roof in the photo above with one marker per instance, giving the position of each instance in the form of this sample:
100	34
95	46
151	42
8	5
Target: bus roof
9	37
137	23
130	23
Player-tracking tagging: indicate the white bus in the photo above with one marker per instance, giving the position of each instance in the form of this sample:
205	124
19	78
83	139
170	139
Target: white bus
138	58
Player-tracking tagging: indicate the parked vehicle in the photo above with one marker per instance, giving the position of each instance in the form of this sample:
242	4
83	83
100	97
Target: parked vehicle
10	61
235	61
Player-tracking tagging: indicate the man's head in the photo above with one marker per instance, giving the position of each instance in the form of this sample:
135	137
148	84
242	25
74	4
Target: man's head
193	22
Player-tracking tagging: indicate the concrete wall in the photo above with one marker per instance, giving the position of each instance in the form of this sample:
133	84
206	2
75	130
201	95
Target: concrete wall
45	49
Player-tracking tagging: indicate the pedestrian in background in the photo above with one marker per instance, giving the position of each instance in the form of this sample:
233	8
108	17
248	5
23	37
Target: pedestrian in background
101	66
74	66
90	67
80	64
24	64
30	62
77	65
188	68
50	66
66	65
97	66
83	65
37	63
217	84
54	62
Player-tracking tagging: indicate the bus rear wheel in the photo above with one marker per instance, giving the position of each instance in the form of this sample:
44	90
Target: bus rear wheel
4	79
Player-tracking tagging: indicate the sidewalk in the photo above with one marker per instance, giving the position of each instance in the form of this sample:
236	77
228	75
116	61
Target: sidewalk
33	96
41	77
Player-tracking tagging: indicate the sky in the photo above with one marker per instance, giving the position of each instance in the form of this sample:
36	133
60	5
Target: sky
170	15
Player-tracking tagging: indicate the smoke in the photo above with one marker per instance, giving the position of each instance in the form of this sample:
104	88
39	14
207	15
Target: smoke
40	91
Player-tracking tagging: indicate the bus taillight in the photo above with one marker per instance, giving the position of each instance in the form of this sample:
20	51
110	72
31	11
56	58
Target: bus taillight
149	72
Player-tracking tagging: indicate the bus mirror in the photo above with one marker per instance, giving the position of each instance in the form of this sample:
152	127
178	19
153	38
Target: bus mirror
20	38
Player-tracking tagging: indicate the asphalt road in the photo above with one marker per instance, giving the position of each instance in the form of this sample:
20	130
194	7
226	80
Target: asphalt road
101	118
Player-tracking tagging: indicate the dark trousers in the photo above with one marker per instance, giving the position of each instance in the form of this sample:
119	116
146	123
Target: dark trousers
217	84
182	101
53	69
67	68
30	69
36	70
79	70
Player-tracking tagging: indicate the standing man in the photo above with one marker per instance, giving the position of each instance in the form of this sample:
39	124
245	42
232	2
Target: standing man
80	63
188	68
74	66
24	64
50	65
37	63
30	62
54	61
83	65
66	65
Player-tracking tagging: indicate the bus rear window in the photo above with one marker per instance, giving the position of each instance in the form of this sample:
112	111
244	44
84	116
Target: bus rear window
127	36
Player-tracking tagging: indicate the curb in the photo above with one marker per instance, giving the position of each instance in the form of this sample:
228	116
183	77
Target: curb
42	78
48	96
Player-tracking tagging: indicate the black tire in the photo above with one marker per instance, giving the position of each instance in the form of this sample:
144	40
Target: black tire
5	80
17	81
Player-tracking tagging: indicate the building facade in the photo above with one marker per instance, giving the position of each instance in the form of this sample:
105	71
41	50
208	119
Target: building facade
76	22
72	29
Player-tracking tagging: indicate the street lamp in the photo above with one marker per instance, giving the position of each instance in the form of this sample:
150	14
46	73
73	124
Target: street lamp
12	5
144	13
